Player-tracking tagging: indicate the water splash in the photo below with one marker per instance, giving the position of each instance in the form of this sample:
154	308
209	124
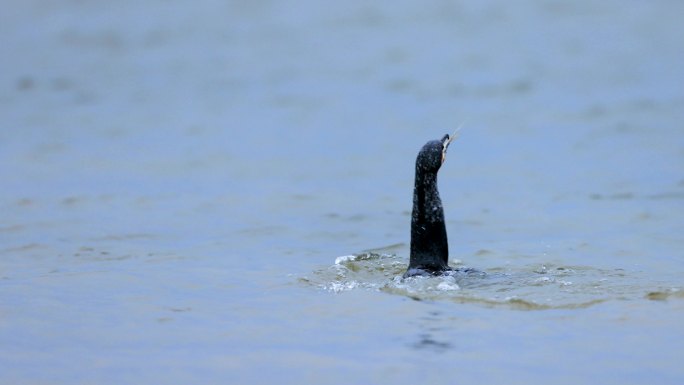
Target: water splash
534	287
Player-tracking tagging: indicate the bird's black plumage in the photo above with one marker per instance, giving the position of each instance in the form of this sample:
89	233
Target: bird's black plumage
429	246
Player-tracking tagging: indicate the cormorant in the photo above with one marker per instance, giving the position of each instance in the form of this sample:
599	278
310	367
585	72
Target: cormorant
429	247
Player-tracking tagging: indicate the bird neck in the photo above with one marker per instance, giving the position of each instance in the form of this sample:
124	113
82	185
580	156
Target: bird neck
429	247
426	184
427	205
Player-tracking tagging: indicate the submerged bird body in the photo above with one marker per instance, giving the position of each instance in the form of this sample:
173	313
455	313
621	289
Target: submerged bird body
429	246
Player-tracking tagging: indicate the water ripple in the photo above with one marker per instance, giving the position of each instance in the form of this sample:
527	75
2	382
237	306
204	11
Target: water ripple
533	287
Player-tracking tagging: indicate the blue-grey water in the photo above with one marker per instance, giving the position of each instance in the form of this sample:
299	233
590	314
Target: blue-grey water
220	192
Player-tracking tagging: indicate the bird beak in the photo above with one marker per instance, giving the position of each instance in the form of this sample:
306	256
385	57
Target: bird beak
447	141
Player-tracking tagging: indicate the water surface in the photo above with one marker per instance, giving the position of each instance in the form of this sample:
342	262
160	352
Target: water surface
182	187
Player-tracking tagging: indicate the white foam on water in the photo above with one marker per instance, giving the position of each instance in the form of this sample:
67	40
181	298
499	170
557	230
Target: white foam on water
338	287
345	258
446	286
